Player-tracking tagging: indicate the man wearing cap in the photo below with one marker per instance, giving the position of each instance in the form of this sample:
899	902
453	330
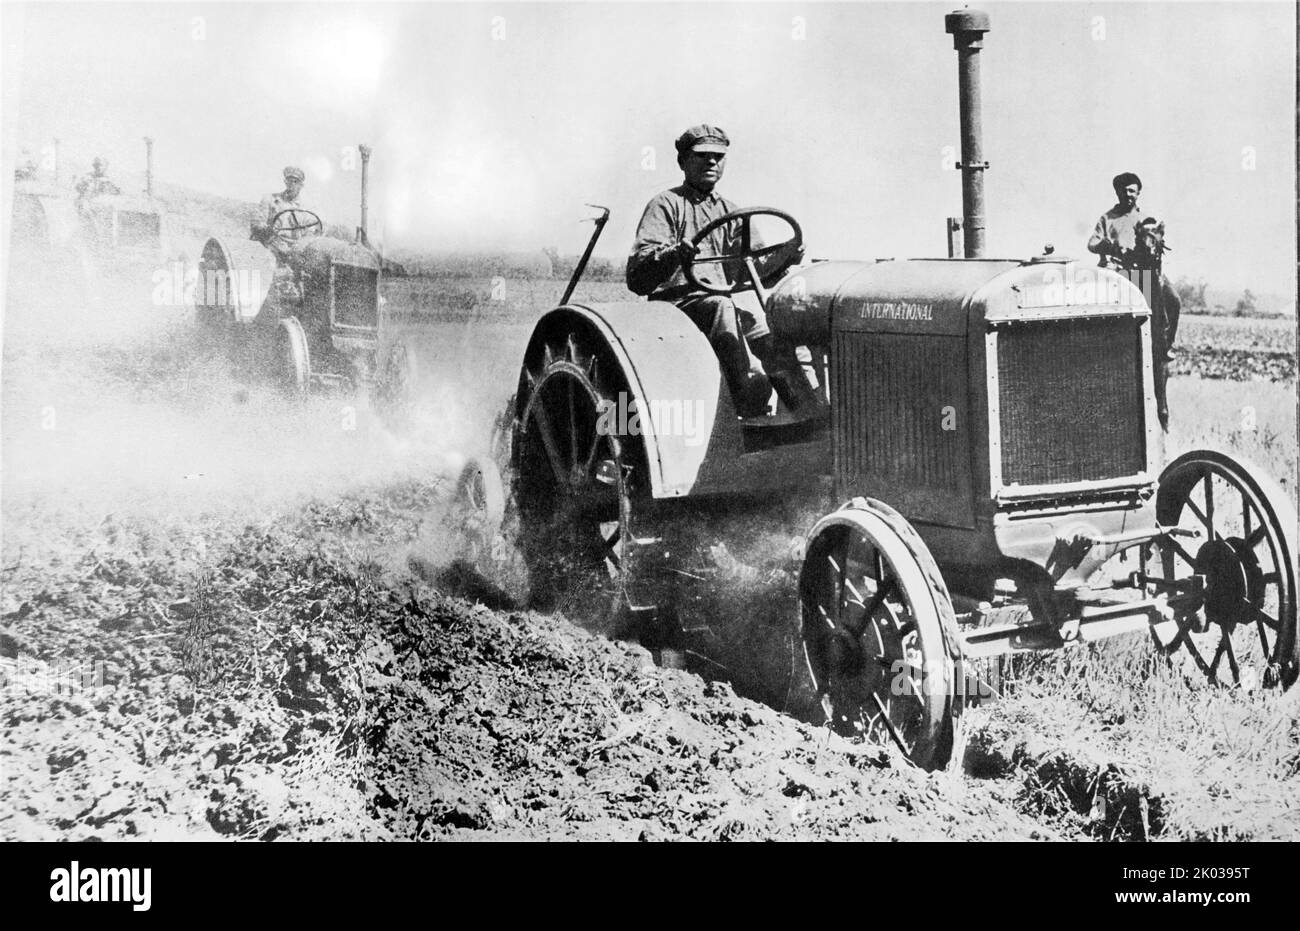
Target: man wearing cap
1115	240
663	244
1115	234
284	293
94	184
272	204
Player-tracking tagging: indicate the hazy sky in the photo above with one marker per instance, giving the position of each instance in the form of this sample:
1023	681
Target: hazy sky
493	123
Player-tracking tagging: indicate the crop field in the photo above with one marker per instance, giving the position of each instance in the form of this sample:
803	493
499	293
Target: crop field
227	614
1236	347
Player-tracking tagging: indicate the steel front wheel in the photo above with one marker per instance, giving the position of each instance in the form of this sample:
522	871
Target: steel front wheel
395	387
879	633
1230	568
573	480
480	504
293	362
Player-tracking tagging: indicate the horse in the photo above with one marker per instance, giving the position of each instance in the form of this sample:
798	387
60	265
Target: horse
1147	259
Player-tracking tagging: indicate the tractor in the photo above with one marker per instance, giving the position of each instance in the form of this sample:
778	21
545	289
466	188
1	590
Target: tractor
293	303
311	308
990	477
106	250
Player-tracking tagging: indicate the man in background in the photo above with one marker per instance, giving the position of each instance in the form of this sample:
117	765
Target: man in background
1131	243
95	184
1115	235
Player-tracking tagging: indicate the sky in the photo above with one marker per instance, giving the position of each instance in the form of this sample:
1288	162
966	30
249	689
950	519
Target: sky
493	123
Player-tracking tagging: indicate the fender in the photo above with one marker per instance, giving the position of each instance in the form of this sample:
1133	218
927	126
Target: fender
694	443
671	371
234	274
47	216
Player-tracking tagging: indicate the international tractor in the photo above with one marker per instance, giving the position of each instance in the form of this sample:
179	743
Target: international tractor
986	466
104	251
313	307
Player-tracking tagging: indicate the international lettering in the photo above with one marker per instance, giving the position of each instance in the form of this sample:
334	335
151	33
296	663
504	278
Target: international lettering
895	310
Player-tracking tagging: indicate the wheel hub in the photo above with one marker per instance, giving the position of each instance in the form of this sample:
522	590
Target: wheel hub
1232	576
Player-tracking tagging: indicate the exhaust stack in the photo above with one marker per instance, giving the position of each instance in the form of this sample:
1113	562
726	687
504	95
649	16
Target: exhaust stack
363	234
967	28
148	166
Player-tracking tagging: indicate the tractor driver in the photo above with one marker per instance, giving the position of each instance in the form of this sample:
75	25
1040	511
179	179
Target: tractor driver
95	184
284	292
272	204
1115	236
663	244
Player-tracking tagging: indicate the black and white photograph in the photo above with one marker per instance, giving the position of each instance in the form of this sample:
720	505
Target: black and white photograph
602	421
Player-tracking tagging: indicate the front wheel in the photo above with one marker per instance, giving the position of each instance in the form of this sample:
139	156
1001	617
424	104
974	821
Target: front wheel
293	357
879	633
480	504
1231	564
395	387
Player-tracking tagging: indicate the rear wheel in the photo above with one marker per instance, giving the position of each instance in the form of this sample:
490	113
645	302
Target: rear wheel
879	633
573	479
1236	531
215	305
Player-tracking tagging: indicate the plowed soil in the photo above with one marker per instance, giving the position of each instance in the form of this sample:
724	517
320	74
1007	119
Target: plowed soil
229	615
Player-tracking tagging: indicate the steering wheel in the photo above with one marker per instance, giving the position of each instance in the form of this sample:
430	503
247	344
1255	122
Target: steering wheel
748	254
294	223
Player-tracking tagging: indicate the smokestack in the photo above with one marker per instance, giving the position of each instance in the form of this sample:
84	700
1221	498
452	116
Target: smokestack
148	166
967	28
56	161
365	189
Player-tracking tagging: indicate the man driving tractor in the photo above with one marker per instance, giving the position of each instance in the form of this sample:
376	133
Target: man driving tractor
276	235
283	219
665	245
95	184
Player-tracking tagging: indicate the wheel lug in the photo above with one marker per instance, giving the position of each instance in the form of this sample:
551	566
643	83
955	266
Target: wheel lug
607	471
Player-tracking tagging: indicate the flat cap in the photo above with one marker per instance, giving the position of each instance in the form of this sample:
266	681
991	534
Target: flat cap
1124	179
702	138
294	174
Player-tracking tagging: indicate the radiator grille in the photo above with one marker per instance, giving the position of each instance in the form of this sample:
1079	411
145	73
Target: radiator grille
900	424
137	229
355	296
1071	400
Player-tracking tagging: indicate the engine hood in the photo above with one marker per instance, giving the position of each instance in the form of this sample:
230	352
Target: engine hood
318	252
942	296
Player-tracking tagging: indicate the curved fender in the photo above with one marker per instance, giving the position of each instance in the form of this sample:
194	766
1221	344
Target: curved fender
54	215
234	273
672	374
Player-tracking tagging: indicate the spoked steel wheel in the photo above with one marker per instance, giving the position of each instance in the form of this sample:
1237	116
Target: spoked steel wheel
879	632
573	481
1230	569
479	507
293	357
